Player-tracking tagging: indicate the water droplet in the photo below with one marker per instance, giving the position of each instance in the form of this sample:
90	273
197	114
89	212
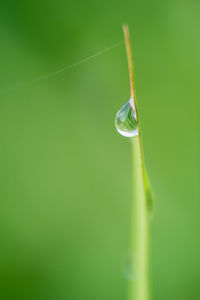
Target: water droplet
130	269
126	120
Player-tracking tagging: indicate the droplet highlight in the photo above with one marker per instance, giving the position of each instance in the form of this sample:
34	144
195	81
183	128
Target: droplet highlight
126	120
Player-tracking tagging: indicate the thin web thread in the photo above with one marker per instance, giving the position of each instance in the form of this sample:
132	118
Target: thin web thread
52	74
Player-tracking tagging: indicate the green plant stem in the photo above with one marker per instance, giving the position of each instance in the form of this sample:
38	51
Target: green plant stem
139	286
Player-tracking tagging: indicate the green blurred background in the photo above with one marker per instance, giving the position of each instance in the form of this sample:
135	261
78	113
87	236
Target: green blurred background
65	172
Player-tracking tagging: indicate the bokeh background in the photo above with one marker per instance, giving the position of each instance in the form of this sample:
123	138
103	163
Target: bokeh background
65	171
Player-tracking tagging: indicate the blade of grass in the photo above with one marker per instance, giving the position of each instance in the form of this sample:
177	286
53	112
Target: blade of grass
139	288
